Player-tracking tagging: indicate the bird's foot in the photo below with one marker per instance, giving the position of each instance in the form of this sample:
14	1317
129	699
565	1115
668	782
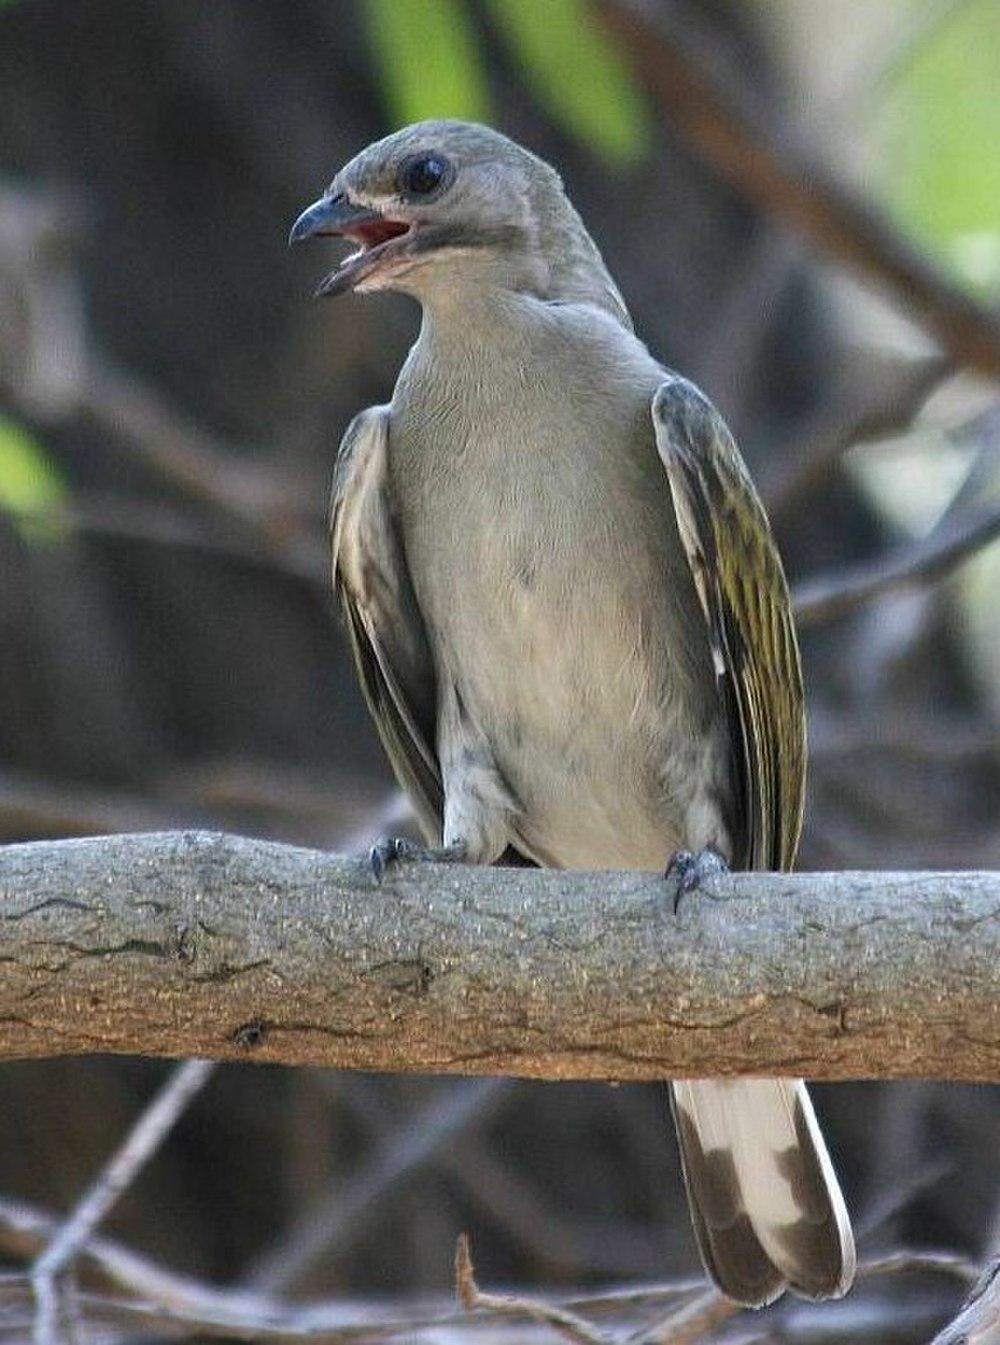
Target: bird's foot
688	870
392	851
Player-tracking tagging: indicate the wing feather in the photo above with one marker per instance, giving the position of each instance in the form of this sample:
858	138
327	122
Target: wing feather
741	587
384	625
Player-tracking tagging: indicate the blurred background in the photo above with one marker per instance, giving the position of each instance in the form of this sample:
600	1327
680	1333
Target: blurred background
170	406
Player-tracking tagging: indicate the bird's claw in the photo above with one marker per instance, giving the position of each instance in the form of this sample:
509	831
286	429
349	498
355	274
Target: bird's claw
390	851
689	870
393	850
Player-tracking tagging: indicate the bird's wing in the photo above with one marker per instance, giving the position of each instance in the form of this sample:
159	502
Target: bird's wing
742	592
386	630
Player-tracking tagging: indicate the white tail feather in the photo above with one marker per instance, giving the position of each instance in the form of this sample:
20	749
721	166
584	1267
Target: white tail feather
765	1138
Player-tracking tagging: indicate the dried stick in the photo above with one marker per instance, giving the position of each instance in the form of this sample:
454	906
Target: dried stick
882	399
905	1263
690	1323
161	1292
978	1322
825	598
121	517
472	1299
161	1295
341	1212
188	458
145	1138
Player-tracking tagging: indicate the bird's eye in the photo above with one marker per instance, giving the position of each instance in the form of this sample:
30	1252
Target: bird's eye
424	174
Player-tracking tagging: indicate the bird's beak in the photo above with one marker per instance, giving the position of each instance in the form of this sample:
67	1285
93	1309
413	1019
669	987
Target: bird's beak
382	239
331	215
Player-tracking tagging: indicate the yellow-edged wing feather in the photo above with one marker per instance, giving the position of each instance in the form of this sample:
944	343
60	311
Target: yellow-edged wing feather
742	591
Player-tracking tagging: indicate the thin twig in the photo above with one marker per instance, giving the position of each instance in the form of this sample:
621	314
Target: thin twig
164	1296
904	37
159	1291
146	1136
978	1321
830	596
779	179
301	555
340	1214
690	1323
472	1299
905	1263
556	1238
882	396
637	1297
189	459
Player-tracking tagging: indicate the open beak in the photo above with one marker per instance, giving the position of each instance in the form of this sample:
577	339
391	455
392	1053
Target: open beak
336	216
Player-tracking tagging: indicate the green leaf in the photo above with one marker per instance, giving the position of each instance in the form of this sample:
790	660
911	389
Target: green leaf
944	110
426	60
31	487
578	74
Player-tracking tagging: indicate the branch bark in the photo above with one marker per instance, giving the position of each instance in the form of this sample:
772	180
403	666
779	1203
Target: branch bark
188	943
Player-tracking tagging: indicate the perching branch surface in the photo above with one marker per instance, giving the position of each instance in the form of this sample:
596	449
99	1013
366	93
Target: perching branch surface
189	943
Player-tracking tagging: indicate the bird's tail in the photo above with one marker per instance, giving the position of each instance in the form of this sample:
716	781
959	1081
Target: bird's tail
764	1198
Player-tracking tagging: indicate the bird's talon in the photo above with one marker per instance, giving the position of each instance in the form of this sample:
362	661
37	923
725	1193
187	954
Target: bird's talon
391	851
387	852
689	870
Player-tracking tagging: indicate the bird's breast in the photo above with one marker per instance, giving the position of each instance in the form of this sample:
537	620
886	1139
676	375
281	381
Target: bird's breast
540	537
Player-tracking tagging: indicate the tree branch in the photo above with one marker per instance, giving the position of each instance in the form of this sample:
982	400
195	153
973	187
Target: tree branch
878	395
779	178
185	943
913	565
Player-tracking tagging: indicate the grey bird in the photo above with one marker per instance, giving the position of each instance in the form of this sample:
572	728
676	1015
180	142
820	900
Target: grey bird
568	614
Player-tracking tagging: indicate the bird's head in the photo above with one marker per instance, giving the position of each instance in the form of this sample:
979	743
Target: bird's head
441	203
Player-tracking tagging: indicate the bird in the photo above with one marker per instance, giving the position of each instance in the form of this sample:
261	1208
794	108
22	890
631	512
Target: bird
568	614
